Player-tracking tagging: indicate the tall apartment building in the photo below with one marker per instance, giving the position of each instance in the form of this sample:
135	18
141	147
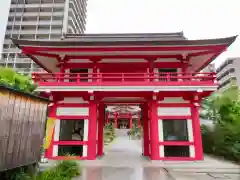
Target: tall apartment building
227	72
40	19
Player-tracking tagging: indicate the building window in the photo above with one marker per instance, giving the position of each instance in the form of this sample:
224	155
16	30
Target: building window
175	130
177	137
71	130
5	46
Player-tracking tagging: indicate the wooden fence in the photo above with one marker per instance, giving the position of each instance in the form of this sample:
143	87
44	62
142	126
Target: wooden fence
22	128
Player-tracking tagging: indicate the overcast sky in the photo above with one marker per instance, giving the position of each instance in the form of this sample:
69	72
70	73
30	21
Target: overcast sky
196	18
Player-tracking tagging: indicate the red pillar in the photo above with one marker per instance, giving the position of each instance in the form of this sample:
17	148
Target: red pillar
145	130
197	133
154	139
115	121
139	121
101	116
92	129
130	121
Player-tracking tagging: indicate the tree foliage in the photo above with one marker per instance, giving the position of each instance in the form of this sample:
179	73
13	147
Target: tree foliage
13	79
224	139
222	105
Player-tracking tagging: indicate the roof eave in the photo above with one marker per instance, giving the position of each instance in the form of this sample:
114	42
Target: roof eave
78	42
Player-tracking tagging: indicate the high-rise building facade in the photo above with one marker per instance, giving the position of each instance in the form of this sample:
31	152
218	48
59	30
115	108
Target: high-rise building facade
228	72
40	19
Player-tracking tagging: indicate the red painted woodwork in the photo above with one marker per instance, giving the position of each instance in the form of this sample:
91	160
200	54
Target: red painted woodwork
129	56
69	158
130	79
130	121
103	67
123	74
101	116
145	130
72	117
126	48
70	142
154	133
92	130
117	74
72	105
174	117
139	121
177	159
197	133
176	143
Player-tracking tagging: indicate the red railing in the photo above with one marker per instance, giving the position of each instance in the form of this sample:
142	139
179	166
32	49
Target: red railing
81	78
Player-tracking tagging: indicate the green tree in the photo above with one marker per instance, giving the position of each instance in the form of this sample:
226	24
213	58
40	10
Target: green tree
11	78
224	139
222	105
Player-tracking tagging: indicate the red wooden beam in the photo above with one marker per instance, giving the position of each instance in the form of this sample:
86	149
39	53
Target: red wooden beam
147	57
122	65
127	48
125	103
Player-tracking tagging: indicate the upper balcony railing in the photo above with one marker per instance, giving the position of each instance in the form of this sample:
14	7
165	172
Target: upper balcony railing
118	79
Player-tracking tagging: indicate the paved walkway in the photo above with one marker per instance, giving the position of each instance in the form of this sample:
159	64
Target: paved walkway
123	161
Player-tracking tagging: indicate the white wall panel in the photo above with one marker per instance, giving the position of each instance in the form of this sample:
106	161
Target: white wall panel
56	137
73	111
174	111
85	136
190	130
73	100
173	100
160	130
192	151
161	151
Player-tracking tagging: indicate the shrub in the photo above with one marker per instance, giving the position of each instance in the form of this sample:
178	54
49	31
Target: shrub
64	170
207	138
223	140
109	133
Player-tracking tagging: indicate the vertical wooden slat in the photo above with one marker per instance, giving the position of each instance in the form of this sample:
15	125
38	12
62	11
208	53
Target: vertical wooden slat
33	142
35	133
14	131
20	126
28	153
5	122
25	129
